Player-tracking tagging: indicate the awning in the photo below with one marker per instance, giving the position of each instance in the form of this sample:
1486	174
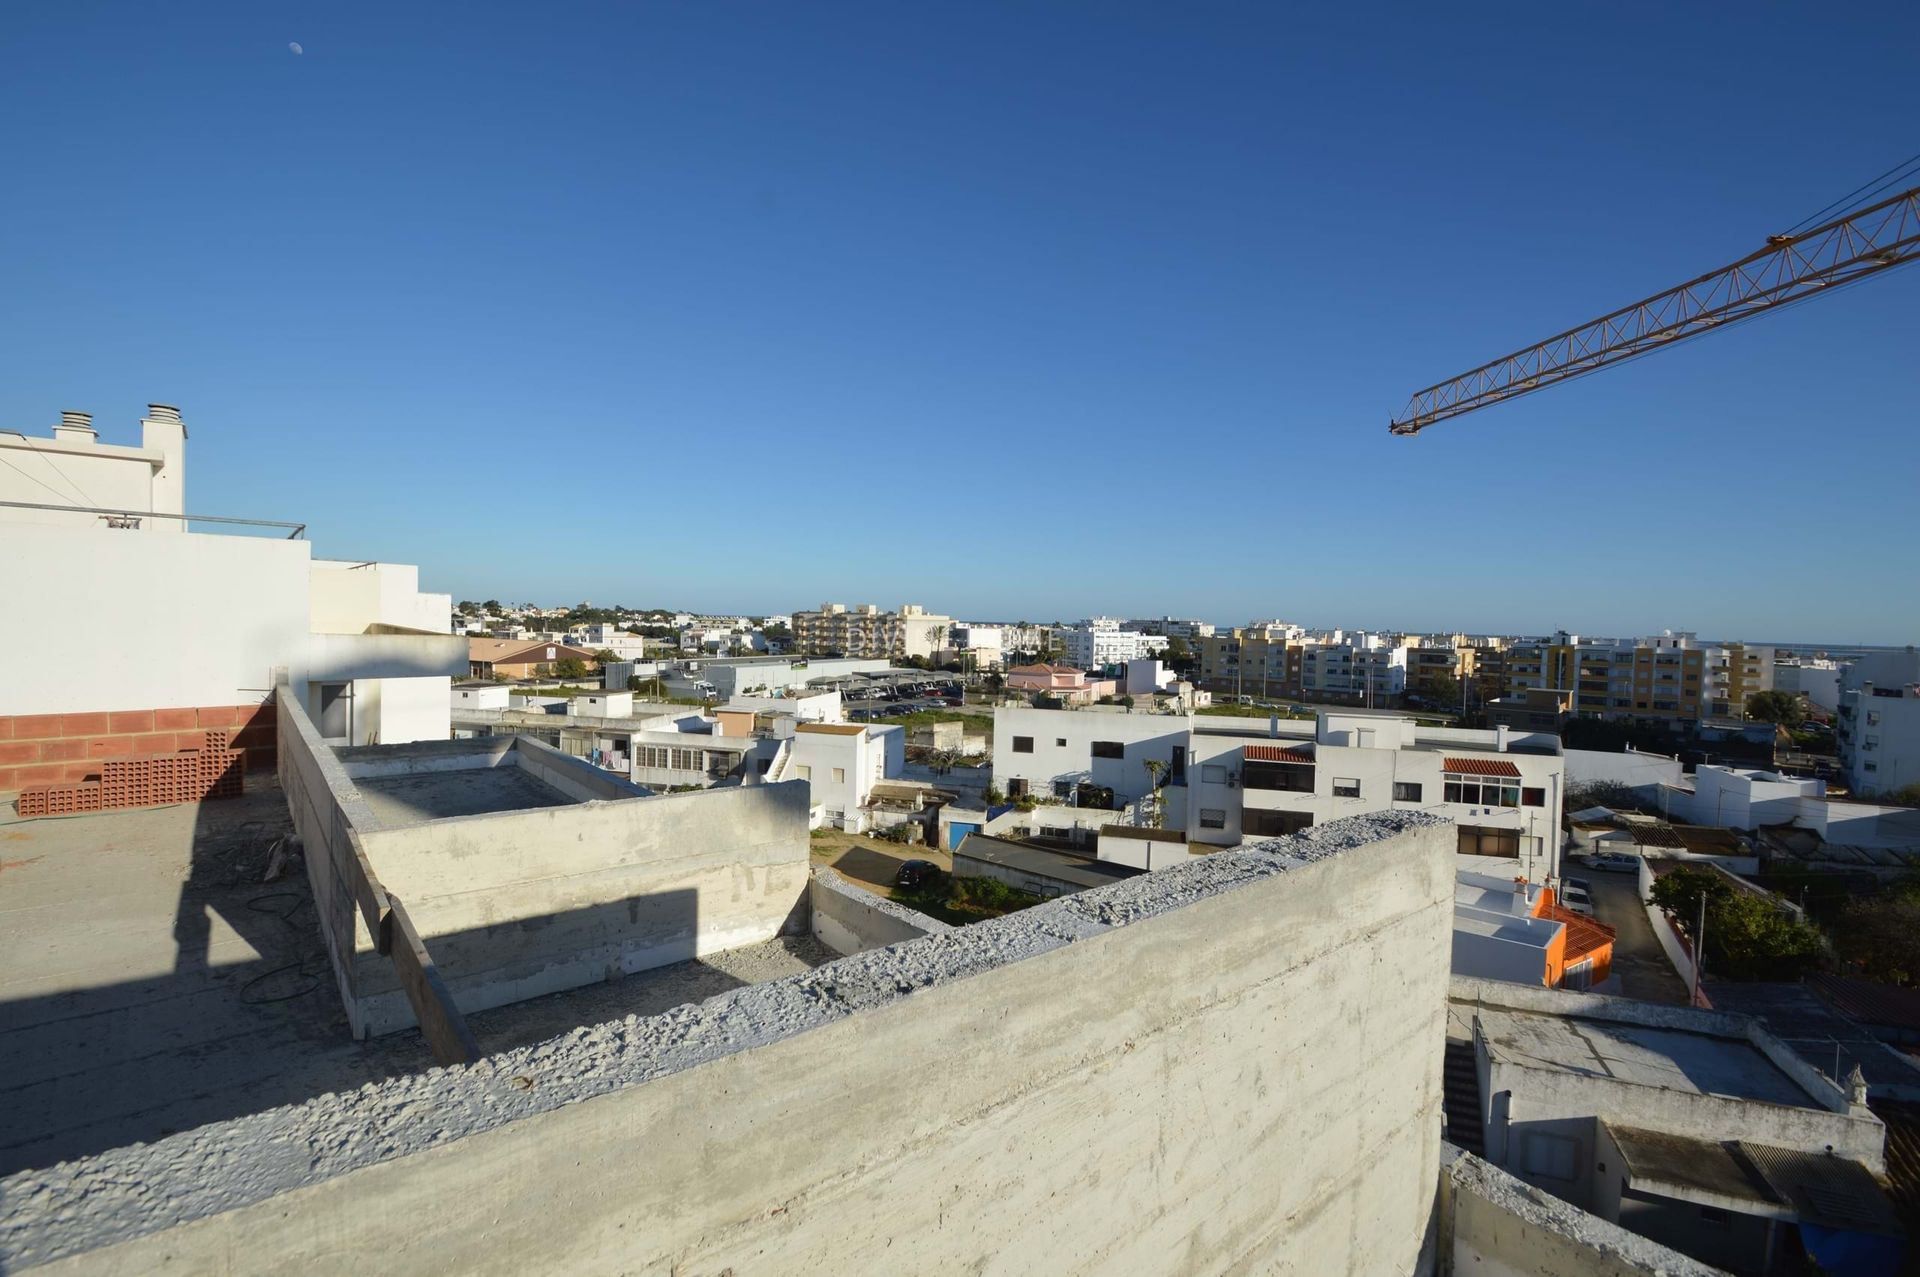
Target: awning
1480	767
1279	754
1764	1180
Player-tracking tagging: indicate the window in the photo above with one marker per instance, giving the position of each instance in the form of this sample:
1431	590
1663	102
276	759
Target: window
1476	840
1293	777
1873	718
1177	769
1531	797
1257	822
685	760
1063	789
1213	774
1023	744
1213	818
1480	791
1109	749
1346	787
1406	791
803	772
1016	788
839	775
1060	742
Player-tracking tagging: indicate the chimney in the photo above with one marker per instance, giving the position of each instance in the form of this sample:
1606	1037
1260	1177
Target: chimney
163	412
1500	735
75	427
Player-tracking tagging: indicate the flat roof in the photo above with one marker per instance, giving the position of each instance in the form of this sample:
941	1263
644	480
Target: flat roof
467	791
1673	1059
831	729
1043	861
155	981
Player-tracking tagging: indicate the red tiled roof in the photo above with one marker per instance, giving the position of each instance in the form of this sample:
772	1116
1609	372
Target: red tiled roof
1584	935
1480	767
1279	754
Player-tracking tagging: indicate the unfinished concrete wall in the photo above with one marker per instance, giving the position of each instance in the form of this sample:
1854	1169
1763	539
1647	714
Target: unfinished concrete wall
1130	1080
849	920
516	904
346	894
1489	1224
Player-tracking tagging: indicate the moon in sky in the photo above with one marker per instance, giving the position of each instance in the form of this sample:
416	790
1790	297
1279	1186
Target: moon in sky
295	46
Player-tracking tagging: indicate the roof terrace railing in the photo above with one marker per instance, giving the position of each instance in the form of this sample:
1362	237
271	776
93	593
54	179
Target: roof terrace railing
131	518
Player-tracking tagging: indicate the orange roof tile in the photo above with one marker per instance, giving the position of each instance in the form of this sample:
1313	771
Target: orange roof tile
1279	754
1480	767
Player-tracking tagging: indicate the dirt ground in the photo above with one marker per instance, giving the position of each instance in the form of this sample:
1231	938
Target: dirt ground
871	862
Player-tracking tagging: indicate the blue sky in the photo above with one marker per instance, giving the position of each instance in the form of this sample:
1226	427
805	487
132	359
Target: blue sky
1010	310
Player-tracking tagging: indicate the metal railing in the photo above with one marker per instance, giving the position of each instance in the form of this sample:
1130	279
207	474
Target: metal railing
297	529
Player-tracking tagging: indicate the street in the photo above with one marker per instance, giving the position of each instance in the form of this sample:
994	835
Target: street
1638	960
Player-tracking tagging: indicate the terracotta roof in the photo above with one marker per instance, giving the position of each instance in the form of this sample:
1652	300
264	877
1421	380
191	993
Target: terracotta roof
529	651
1480	767
830	729
1869	1001
1279	754
1584	935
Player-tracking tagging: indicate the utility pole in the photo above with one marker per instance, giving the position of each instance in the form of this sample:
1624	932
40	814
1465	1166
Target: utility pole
1699	949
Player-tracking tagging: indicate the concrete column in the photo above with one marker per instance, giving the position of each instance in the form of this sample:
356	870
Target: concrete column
162	431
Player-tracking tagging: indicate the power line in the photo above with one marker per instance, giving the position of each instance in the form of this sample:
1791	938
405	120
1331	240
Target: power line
35	449
1878	184
64	498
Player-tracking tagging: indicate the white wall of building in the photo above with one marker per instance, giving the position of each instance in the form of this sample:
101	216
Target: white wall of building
842	766
151	622
72	466
1062	749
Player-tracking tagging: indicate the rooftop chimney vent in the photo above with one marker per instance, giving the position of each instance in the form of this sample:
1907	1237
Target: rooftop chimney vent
162	412
75	426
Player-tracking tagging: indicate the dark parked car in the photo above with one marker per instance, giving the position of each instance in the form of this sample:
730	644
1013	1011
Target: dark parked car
916	872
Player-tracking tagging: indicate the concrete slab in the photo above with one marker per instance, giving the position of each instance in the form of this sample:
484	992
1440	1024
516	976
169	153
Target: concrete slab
152	982
1674	1059
474	791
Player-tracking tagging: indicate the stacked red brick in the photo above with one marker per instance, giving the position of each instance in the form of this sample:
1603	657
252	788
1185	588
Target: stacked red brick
70	763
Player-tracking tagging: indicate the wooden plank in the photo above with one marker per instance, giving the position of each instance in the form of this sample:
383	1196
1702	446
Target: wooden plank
433	1006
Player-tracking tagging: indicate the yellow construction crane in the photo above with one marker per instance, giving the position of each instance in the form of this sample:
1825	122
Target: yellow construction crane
1791	268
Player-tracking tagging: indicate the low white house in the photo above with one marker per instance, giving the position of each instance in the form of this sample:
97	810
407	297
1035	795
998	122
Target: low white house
843	762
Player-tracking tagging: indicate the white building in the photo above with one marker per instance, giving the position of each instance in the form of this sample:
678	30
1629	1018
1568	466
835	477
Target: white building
1815	678
1233	779
202	618
1174	627
981	647
1099	643
1504	789
1363	672
843	762
1878	734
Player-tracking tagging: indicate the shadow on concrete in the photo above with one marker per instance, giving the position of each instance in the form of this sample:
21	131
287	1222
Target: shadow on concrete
154	981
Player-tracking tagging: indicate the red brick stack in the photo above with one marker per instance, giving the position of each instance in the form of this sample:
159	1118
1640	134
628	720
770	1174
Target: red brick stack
67	764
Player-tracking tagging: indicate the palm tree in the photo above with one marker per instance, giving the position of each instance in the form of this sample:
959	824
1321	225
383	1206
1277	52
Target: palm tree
1157	769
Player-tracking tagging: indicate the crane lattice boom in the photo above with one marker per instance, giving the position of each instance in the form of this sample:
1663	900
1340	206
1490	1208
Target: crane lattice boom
1790	268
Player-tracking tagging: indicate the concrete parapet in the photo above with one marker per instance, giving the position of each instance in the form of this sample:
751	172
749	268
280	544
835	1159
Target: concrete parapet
1233	1064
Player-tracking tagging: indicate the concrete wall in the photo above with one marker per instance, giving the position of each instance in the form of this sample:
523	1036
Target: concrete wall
1489	1224
1125	1083
516	904
849	920
1643	773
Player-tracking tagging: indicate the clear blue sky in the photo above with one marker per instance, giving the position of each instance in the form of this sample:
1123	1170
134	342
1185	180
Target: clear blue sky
1009	310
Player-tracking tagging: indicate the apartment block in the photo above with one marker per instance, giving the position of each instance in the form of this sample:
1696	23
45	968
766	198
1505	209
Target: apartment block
1100	643
1660	679
1877	729
1227	780
1263	660
865	631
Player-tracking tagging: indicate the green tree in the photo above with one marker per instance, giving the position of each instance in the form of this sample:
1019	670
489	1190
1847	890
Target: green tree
1749	936
606	654
1443	689
1784	709
570	667
1879	935
1179	654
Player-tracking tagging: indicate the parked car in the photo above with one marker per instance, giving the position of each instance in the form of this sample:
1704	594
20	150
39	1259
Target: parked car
1575	896
1612	862
916	872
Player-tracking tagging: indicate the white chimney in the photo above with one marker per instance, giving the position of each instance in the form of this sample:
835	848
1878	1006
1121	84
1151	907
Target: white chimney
1500	735
75	427
163	432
